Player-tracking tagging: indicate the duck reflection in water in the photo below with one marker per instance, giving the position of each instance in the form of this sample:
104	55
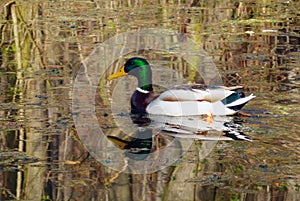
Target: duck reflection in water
139	146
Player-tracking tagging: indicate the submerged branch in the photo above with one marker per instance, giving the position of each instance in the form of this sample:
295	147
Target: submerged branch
115	176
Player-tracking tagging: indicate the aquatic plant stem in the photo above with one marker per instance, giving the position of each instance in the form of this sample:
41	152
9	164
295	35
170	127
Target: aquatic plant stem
19	84
16	37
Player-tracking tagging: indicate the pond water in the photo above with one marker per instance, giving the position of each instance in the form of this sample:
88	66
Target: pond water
44	156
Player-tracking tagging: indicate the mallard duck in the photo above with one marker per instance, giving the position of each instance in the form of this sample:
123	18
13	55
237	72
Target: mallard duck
183	100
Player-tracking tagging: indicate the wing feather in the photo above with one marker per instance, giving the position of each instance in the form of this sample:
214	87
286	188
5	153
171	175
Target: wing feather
210	95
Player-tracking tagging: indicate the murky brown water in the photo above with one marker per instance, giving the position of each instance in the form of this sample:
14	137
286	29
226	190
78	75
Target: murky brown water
252	43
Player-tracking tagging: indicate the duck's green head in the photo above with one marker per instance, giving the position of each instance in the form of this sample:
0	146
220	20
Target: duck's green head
138	67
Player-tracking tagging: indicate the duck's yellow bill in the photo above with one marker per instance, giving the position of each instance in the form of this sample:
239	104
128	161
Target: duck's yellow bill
120	73
119	142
